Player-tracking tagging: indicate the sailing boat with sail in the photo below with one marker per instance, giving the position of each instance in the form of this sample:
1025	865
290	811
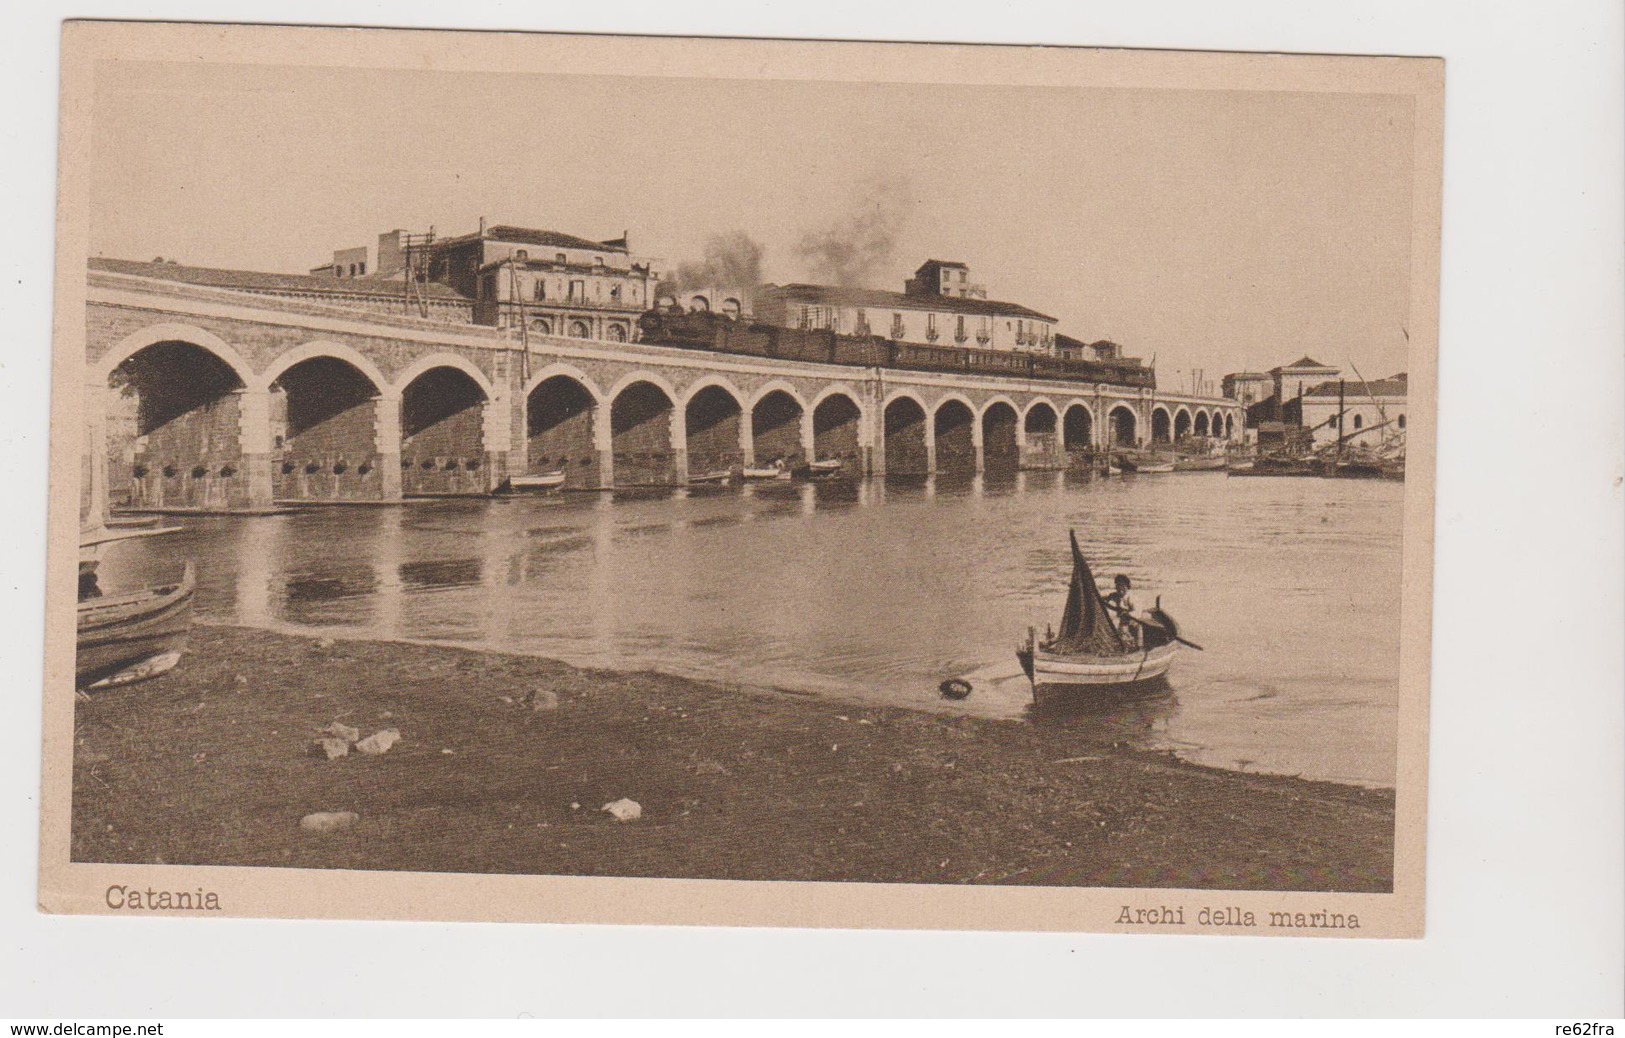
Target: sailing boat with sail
1090	651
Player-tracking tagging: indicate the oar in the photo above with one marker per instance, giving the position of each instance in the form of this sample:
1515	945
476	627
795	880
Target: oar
1164	630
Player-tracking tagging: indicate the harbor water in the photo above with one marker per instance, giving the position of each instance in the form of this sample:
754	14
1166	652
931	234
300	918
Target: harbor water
874	592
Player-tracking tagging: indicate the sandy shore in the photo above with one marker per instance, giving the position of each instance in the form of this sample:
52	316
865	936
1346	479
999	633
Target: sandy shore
212	764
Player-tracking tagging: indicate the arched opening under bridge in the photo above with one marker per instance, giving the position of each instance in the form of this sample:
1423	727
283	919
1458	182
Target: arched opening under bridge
954	426
836	422
324	417
905	438
443	435
775	425
174	435
711	420
640	428
559	431
1000	446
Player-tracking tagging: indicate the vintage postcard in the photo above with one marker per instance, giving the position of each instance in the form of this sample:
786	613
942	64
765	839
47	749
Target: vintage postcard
646	480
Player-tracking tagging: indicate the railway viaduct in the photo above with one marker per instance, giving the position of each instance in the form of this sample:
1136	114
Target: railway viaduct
223	400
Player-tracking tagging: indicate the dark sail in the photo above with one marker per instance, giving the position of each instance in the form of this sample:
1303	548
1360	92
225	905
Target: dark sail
1085	627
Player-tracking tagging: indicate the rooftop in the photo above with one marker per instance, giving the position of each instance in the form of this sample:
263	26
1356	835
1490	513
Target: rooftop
871	297
1303	362
534	236
1394	385
258	281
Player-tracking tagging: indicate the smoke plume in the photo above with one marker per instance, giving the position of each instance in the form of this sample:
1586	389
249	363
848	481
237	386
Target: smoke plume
860	242
731	260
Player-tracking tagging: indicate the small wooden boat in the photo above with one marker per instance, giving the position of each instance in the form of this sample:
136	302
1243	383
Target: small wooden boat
532	482
1089	652
718	477
133	635
1276	466
1145	464
1205	463
777	470
825	468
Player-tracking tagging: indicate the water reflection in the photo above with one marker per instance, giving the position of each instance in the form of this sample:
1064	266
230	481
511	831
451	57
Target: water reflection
877	590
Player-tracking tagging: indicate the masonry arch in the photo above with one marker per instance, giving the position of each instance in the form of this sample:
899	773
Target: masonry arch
640	432
579	329
322	348
1182	423
837	425
1041	438
1161	425
153	334
1201	427
570	371
775	426
954	431
905	419
453	361
560	407
712	419
1077	427
443	432
653	377
1001	445
1125	426
324	426
174	437
1229	426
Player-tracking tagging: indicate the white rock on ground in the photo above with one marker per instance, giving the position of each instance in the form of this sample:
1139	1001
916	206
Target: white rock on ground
343	731
332	749
328	821
624	810
379	742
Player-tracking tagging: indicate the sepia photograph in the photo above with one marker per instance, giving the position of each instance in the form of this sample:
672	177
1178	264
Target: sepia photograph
982	486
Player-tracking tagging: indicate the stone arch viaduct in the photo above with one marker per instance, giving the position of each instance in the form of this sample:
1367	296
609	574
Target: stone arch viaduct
217	399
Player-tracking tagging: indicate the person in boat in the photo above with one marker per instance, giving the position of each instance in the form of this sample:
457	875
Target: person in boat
1120	603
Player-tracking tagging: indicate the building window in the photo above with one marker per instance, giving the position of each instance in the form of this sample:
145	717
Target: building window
559	257
579	330
1359	420
352	270
860	325
897	326
1402	421
598	261
959	328
363	267
930	327
578	291
539	289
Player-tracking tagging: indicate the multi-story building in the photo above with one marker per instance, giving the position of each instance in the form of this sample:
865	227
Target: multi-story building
557	283
561	284
1370	411
938	309
1247	387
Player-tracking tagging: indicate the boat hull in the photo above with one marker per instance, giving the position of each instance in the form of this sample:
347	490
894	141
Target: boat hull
131	636
534	483
1101	673
1199	464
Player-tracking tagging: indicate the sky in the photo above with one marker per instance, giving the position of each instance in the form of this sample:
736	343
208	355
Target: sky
1213	230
